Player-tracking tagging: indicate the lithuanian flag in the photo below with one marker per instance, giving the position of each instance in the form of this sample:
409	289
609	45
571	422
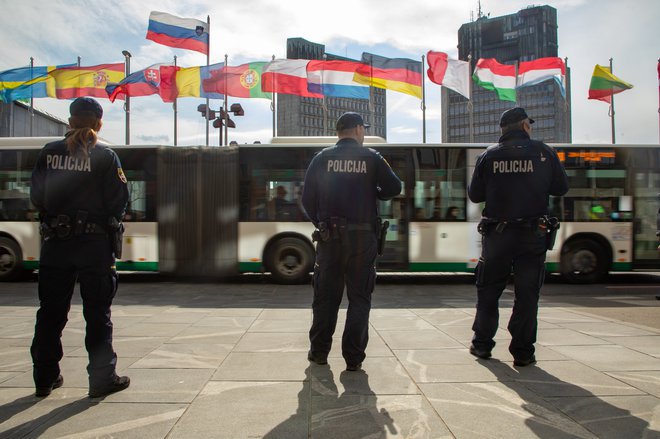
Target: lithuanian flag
604	84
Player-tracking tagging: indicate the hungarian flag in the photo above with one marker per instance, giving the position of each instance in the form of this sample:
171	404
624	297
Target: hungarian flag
542	69
242	81
451	73
287	76
604	84
501	78
398	74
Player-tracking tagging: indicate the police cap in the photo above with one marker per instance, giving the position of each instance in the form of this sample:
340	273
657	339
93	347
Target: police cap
350	120
83	106
514	115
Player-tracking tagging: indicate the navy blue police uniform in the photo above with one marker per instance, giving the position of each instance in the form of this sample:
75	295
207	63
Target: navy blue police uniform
515	178
77	197
340	196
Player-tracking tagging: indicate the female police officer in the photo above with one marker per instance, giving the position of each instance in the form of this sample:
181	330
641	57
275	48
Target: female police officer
80	190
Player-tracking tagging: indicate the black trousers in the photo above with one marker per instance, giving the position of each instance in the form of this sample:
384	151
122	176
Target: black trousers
521	248
347	261
88	259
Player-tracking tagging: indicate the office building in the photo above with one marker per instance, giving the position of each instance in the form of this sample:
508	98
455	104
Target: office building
302	116
16	120
526	35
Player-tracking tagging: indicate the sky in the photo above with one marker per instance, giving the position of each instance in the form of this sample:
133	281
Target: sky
590	32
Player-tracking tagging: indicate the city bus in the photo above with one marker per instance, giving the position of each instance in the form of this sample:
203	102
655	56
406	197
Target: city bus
218	211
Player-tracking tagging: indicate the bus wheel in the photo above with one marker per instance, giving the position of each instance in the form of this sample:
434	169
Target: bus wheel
583	262
11	260
290	260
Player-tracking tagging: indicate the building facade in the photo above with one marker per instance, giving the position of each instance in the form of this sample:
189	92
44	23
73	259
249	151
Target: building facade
302	116
524	36
15	119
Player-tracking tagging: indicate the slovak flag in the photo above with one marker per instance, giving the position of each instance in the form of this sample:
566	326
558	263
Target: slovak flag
142	83
182	33
335	78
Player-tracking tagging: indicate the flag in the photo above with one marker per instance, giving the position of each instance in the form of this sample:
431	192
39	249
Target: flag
242	81
76	81
492	75
451	73
25	82
189	82
287	76
542	69
182	33
398	74
335	78
604	84
142	83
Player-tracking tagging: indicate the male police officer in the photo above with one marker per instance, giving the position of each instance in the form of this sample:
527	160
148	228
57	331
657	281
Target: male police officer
81	193
342	187
514	178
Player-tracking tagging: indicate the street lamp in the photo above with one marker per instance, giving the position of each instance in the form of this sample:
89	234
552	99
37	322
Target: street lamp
127	102
221	117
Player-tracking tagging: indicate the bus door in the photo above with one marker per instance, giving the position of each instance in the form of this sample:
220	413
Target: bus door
396	211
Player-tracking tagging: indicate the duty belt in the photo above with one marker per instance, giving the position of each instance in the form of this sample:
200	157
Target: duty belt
62	227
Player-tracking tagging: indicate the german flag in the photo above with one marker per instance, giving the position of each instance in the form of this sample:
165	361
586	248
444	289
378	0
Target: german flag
399	74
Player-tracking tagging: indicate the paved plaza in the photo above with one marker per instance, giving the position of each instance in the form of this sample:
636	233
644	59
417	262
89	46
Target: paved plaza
228	360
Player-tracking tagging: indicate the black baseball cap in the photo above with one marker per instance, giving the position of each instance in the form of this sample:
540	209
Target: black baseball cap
350	120
514	115
82	106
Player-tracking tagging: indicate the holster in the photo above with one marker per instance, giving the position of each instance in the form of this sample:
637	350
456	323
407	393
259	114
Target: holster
116	232
382	227
551	236
322	233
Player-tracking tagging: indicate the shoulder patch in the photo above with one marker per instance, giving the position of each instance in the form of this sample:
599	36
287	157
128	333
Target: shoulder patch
122	177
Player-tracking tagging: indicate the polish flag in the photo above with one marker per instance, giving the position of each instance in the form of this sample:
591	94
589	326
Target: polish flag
451	73
287	76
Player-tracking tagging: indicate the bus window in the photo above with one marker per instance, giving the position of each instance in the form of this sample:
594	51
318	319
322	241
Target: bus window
15	173
440	193
593	194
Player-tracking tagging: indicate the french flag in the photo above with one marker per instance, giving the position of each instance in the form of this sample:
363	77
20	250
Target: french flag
182	33
287	76
335	79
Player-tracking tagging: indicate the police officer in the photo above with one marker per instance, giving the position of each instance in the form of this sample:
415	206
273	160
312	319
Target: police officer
515	178
342	187
81	193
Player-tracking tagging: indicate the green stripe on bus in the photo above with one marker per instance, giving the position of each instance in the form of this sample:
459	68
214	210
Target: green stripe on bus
439	266
137	266
250	267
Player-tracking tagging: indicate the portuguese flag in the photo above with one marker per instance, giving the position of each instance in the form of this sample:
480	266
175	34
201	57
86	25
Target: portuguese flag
242	81
604	84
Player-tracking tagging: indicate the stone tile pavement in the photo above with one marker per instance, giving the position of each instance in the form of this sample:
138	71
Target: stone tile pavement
228	360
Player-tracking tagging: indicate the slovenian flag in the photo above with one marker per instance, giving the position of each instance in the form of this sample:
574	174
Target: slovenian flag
501	78
182	33
542	69
335	79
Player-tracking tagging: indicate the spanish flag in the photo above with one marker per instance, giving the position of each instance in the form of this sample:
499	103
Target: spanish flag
398	74
77	81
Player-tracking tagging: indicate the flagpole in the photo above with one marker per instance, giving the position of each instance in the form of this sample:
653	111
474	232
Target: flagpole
274	99
567	104
127	101
208	59
323	106
470	106
423	103
659	99
612	108
226	118
31	95
174	108
515	87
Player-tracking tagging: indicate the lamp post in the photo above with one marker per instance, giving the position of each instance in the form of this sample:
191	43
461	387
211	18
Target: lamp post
127	102
221	117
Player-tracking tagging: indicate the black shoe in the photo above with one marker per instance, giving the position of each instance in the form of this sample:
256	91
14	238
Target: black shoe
116	385
353	367
524	362
318	359
484	355
45	391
